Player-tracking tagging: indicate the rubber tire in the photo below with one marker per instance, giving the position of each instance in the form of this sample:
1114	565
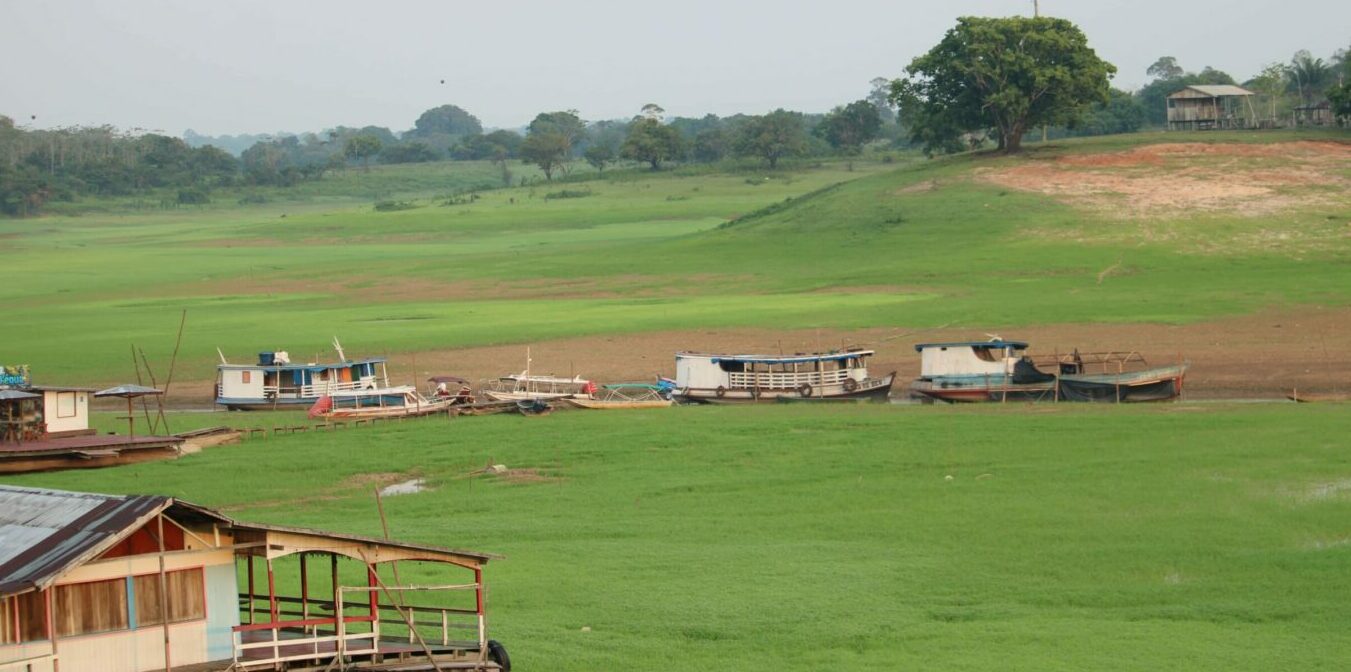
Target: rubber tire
850	384
720	392
498	654
805	389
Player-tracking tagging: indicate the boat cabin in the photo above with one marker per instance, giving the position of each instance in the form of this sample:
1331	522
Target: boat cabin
275	380
969	358
124	583
769	372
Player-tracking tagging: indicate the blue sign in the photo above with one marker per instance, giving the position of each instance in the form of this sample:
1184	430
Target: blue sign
15	376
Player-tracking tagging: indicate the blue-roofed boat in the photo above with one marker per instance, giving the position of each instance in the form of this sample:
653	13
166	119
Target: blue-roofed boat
275	382
720	379
1000	370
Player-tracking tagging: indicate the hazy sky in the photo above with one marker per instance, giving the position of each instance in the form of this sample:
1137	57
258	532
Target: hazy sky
238	66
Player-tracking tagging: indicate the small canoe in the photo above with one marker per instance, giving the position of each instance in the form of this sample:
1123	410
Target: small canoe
1318	397
608	405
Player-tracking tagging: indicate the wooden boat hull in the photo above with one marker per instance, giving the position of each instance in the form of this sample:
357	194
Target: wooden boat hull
1157	384
526	396
872	389
388	412
601	405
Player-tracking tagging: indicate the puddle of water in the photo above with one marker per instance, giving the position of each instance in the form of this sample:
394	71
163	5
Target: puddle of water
410	487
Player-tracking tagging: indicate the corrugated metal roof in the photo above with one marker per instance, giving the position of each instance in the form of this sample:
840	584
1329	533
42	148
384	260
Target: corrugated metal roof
44	532
1217	90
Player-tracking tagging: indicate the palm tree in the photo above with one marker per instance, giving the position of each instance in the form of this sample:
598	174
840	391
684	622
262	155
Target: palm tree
1309	75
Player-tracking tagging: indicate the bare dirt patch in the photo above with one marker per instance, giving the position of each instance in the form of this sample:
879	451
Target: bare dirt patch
526	476
1175	178
1263	355
375	480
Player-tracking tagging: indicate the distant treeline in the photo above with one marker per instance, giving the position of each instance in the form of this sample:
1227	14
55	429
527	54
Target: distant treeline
40	166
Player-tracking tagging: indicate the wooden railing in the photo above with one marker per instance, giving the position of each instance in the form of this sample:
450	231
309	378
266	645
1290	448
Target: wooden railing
310	629
786	380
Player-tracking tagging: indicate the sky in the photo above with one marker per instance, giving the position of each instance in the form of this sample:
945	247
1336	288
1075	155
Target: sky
250	66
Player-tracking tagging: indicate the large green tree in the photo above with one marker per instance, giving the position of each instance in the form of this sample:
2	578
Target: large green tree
362	148
547	150
550	140
849	127
446	120
771	137
1011	74
652	142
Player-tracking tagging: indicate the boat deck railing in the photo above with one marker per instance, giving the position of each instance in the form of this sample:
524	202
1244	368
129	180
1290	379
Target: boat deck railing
786	380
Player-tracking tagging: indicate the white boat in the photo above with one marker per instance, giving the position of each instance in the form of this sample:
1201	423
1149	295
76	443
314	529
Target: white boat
389	402
276	382
718	379
525	387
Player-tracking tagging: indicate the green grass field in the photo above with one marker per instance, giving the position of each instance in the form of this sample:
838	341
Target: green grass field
1180	537
1183	536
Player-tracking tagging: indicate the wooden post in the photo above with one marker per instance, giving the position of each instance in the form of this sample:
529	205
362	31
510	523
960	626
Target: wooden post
51	628
250	595
304	590
163	591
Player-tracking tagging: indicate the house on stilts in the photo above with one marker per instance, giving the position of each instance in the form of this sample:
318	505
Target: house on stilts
122	583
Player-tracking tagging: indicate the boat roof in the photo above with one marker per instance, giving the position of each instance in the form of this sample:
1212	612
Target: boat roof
304	367
60	388
49	532
781	359
997	343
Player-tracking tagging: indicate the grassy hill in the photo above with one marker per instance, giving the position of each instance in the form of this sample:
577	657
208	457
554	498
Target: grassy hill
1122	230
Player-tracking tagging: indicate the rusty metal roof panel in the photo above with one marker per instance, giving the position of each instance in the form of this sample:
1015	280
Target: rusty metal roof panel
1212	90
45	533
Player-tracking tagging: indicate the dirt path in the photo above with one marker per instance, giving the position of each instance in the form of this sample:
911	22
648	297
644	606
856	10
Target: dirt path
1255	356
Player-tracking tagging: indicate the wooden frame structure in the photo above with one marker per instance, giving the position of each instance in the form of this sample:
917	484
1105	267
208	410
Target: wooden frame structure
1205	107
331	627
208	622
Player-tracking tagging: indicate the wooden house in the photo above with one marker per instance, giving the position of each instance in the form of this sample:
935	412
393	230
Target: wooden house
1204	107
1314	114
131	583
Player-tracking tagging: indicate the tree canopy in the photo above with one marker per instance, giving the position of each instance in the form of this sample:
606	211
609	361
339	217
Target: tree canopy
849	127
1011	74
771	137
362	148
446	120
651	141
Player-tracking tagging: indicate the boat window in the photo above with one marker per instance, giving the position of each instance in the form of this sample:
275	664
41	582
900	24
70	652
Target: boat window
985	354
246	377
732	366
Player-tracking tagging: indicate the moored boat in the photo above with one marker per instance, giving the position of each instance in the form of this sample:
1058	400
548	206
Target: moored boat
393	402
624	396
276	382
1000	370
716	379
